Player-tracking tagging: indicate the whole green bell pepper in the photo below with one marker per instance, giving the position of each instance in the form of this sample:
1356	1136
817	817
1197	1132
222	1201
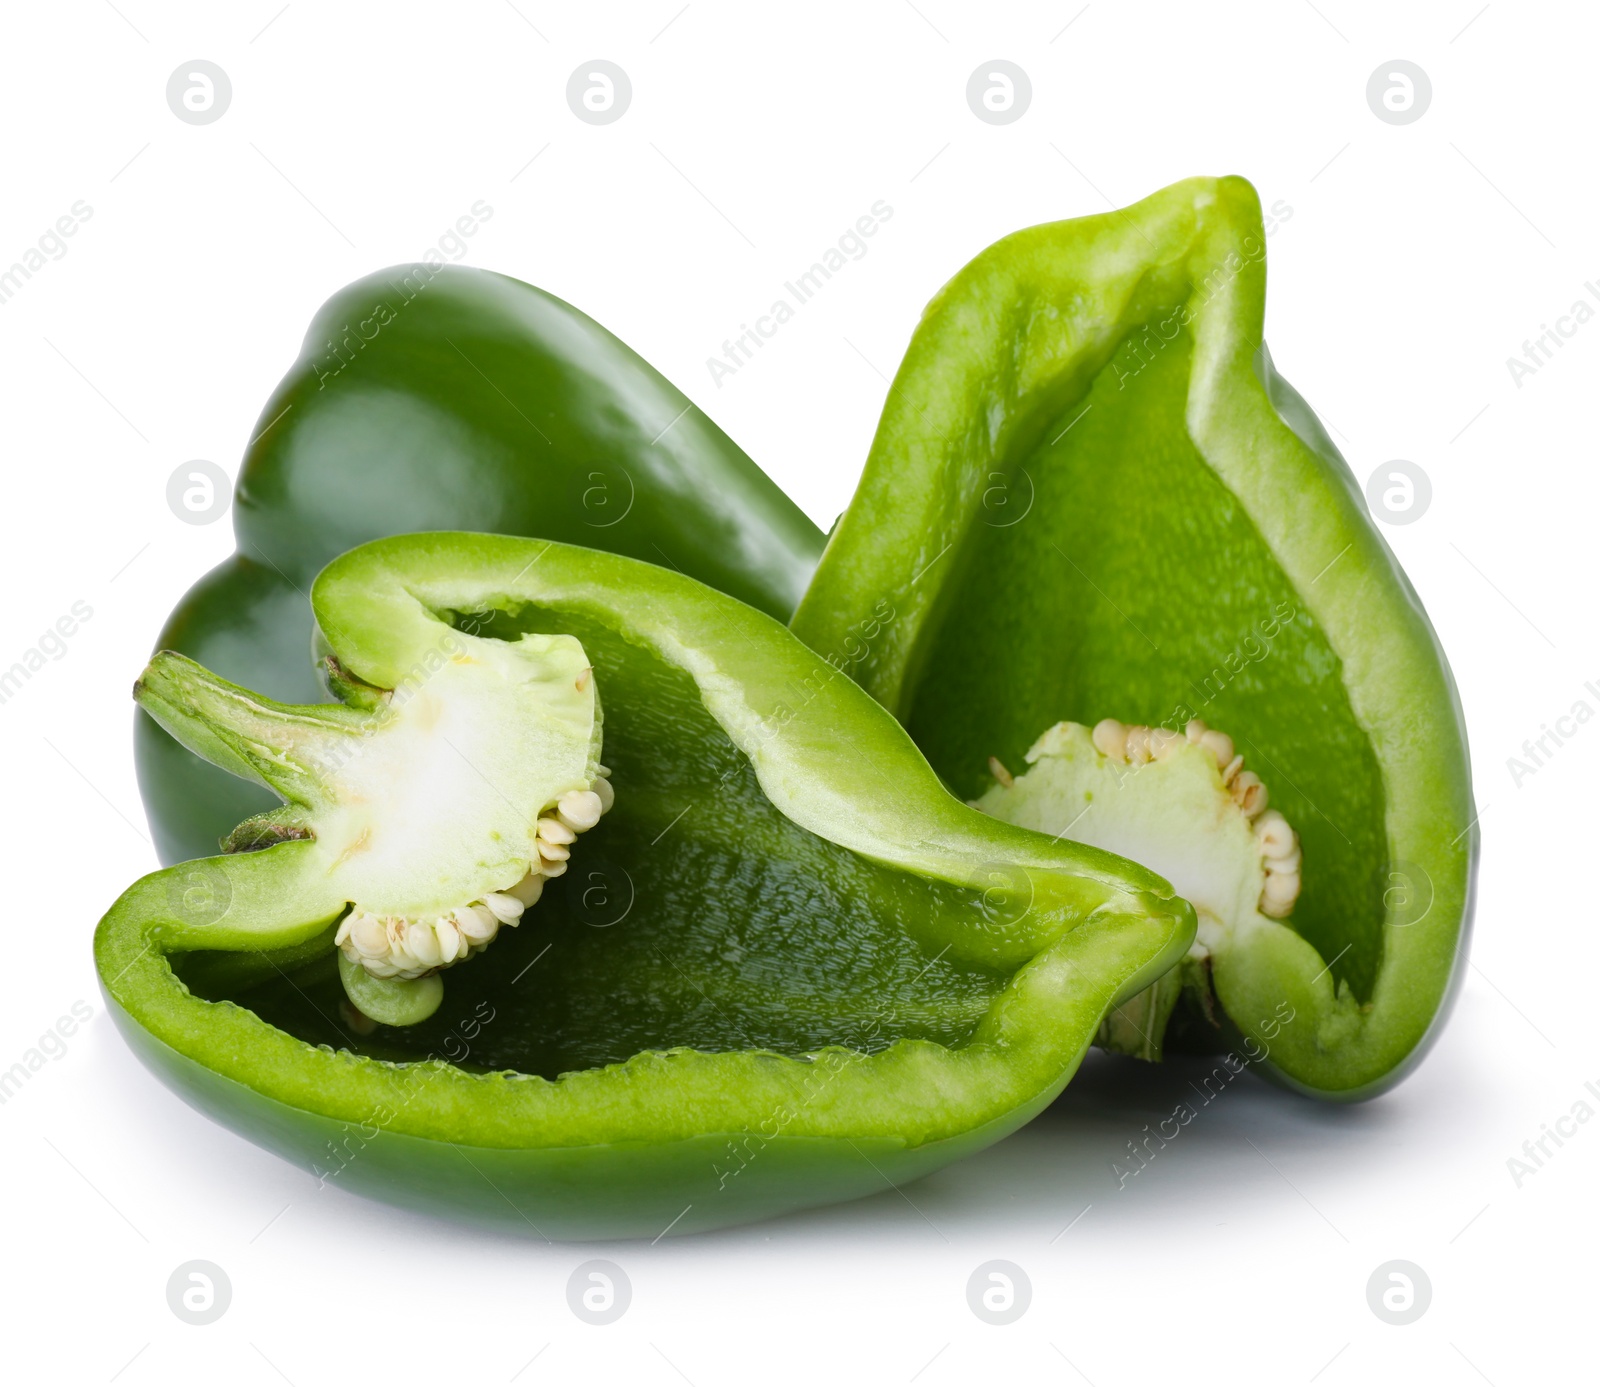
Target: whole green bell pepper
1092	502
787	966
448	398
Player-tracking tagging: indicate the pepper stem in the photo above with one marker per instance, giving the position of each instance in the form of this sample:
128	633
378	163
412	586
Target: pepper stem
292	750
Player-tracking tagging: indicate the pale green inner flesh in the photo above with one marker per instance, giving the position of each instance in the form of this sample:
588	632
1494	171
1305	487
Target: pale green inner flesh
1174	815
434	807
695	914
1136	588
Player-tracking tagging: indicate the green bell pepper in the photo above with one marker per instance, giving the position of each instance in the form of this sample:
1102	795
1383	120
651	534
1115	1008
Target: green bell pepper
447	398
787	967
1092	502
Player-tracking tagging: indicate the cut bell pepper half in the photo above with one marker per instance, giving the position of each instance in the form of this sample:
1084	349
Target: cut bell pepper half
1136	593
784	966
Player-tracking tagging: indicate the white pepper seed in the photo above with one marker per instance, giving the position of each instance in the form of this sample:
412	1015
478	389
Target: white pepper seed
580	810
1274	835
1278	894
556	833
528	889
1110	738
1220	745
1138	746
506	908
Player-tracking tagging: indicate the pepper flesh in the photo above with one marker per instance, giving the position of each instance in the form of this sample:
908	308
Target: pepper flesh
1090	495
441	397
788	966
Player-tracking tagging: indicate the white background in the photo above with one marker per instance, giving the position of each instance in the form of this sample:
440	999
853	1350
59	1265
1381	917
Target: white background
1417	259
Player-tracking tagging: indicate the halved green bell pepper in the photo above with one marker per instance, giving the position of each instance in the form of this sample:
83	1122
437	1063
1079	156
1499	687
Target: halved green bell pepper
787	967
429	398
1090	496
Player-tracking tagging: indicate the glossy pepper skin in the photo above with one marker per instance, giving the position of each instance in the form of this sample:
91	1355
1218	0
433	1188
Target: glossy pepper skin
787	967
430	397
1090	495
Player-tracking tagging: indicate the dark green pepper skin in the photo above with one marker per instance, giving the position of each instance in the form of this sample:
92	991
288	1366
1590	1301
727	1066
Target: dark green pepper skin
443	398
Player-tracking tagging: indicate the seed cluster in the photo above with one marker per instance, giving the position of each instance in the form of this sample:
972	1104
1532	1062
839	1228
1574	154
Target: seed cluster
397	946
1279	844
